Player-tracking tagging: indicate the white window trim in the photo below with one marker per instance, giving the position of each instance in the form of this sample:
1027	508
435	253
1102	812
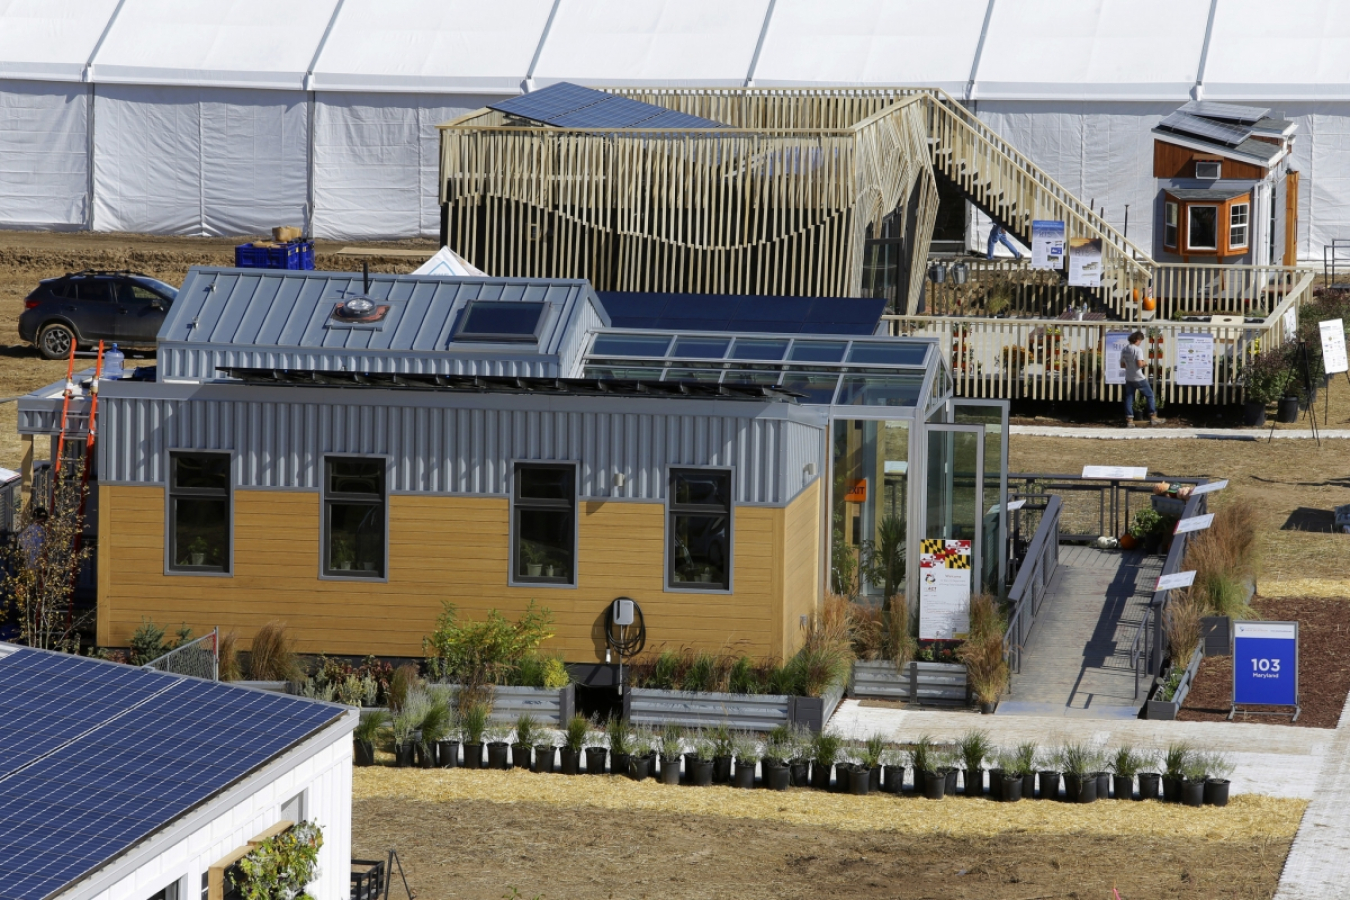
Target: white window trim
1245	226
1190	208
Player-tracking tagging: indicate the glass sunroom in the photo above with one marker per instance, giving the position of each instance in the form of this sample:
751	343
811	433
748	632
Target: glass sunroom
908	461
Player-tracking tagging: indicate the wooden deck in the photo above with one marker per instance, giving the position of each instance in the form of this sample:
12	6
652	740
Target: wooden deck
1077	662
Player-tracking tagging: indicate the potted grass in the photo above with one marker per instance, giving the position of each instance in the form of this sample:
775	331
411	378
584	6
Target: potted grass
433	728
824	751
1149	778
1078	763
597	751
1174	762
870	759
473	723
672	743
641	755
522	748
1027	753
1125	765
619	735
544	753
982	653
498	746
403	727
574	739
723	751
1010	765
799	766
893	772
777	752
974	748
1216	768
1193	776
852	774
927	764
746	749
364	735
699	761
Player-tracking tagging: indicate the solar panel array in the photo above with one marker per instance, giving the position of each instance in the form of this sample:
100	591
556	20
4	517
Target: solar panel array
1219	132
567	105
95	756
744	314
1228	112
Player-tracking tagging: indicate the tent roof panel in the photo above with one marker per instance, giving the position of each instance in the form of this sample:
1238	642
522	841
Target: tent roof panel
440	45
670	42
906	42
1116	49
213	43
1302	52
50	40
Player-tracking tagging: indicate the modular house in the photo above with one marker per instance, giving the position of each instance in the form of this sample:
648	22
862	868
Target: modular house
348	456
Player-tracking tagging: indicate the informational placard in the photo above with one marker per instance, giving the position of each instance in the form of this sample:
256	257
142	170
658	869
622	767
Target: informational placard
1085	262
1047	244
944	590
1291	324
1175	581
1333	346
1265	664
1016	505
1115	342
1195	359
1195	523
1210	488
1128	473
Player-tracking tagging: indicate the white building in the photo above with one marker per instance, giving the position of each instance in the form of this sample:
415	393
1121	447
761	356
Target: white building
124	784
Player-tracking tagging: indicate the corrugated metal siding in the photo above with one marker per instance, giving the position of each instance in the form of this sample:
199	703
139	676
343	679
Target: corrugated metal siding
458	450
202	362
289	313
587	316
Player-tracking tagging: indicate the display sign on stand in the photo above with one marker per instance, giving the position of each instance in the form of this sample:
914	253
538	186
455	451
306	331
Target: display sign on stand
1115	342
1121	473
944	590
1265	665
1195	359
1333	346
1085	262
1047	244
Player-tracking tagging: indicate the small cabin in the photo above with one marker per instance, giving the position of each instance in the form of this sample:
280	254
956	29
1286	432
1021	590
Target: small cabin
1226	191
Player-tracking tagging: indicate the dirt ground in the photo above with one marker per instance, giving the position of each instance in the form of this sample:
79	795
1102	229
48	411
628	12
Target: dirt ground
1323	665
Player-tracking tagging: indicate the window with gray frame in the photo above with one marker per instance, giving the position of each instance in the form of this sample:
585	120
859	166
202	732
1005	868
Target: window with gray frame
545	515
199	512
354	517
699	529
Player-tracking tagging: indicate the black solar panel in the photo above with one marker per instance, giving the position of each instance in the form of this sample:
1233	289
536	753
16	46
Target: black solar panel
744	314
1219	132
1227	112
107	754
566	105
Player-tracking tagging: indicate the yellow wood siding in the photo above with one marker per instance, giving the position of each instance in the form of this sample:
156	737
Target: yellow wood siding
447	548
801	564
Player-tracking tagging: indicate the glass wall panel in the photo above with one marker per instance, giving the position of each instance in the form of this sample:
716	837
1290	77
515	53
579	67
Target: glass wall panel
991	416
870	479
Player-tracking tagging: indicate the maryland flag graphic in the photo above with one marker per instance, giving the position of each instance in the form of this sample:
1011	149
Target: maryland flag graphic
944	554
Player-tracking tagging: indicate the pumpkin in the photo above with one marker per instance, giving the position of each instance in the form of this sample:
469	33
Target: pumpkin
1150	304
1127	541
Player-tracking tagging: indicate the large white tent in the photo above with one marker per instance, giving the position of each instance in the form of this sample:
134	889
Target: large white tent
227	117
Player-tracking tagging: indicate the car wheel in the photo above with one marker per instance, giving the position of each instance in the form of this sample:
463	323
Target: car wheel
55	341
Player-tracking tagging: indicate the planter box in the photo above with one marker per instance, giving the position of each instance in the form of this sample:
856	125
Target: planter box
1168	506
550	706
879	680
752	712
1167	709
275	687
938	684
814	712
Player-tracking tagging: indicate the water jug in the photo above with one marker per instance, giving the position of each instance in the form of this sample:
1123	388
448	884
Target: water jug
112	363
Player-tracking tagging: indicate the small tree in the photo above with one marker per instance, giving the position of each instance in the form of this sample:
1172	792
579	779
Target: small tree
479	655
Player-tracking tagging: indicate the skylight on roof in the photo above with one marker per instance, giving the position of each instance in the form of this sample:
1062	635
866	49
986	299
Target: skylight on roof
496	321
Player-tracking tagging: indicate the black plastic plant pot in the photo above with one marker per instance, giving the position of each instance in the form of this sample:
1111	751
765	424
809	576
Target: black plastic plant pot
1124	786
1072	786
1287	412
950	775
721	769
1193	793
1148	785
893	780
934	784
744	776
700	771
595	760
973	785
426	756
639	767
1253	414
403	756
543	760
652	772
777	776
1048	785
1103	785
618	763
1087	789
1012	788
569	761
820	776
447	754
874	778
1171	786
473	756
363	753
497	756
670	770
800	770
1029	786
859	781
521	755
1216	792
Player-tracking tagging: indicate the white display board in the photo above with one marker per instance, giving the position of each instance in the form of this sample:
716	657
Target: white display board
1047	244
1123	472
1195	359
1210	488
1333	346
1195	523
1085	262
1116	341
1176	581
1291	324
944	590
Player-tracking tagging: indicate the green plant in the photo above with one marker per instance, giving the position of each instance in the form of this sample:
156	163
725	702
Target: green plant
527	729
342	549
1147	523
281	866
1168	689
704	748
702	673
1008	762
742	678
473	722
619	734
744	747
541	671
403	726
642	741
974	747
1217	766
843	558
574	735
1078	760
778	744
825	749
1176	758
721	740
1267	376
923	755
1027	756
478	655
497	733
871	752
370	725
436	720
665	674
982	653
405	680
148	642
883	558
672	741
1125	762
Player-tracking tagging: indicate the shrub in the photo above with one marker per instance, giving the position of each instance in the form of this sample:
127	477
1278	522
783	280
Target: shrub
272	657
982	653
228	657
478	655
882	632
1267	376
402	685
1181	624
541	671
149	642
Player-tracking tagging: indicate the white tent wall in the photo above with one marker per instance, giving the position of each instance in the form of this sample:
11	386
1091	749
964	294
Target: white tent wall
376	161
44	155
199	161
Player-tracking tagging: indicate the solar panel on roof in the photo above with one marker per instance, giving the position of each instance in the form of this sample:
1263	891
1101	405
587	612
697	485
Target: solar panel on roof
1219	132
566	105
1228	112
744	313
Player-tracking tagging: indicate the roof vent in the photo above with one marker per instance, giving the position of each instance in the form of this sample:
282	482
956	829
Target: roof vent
360	309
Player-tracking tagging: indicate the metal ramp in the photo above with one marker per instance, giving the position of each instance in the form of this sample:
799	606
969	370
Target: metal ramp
1078	660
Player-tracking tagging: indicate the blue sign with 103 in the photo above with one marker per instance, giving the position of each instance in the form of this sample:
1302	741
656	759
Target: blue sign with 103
1265	664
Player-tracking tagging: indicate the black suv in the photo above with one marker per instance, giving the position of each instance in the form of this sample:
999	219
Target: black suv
83	308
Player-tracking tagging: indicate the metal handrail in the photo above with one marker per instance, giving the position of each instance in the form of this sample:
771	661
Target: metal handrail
1042	559
1138	652
1176	556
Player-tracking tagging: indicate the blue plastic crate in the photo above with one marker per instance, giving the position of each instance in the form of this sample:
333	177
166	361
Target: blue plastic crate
294	255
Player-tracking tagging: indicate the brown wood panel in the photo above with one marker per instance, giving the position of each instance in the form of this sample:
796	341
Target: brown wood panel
1291	219
1172	161
441	549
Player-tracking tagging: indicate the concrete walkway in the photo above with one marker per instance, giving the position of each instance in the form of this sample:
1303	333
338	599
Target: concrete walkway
1318	867
1145	433
1077	662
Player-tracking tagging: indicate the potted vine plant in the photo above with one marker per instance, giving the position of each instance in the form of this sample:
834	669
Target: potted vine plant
498	746
473	723
522	748
824	751
574	739
343	551
746	749
365	734
672	740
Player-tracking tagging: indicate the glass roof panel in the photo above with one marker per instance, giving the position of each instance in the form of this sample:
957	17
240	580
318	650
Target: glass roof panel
881	390
750	376
623	373
497	320
818	351
817	386
891	353
753	348
683	374
631	344
700	348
